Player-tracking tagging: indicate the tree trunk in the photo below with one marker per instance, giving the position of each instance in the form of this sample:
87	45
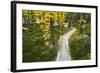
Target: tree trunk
52	33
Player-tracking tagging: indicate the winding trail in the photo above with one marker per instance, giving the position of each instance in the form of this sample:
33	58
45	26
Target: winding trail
63	53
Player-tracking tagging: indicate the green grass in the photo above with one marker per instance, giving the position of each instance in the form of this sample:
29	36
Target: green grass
79	47
33	44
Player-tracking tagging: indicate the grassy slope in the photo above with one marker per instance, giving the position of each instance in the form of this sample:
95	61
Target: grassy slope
79	47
